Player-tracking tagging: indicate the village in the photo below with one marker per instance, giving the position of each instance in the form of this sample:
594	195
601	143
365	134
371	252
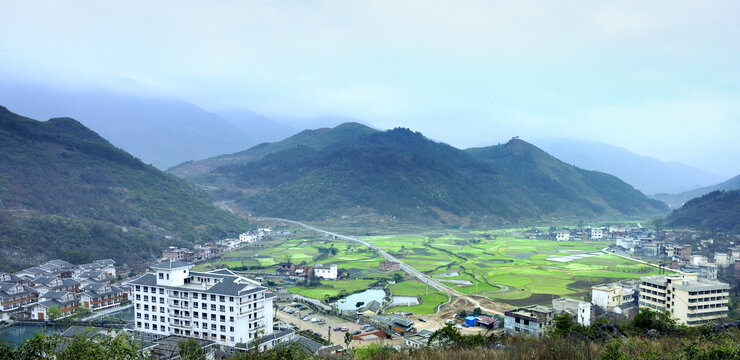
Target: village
228	312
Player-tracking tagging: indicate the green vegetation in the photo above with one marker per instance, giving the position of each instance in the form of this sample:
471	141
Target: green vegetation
430	298
399	175
332	288
716	211
512	270
61	181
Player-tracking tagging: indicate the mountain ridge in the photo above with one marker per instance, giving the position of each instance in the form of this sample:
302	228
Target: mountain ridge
63	188
400	174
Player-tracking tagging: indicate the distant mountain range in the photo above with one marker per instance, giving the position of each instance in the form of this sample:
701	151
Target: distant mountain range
66	192
715	211
162	132
649	175
677	200
353	170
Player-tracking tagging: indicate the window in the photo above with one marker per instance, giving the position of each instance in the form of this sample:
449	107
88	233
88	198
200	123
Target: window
203	297
161	291
213	297
231	308
138	288
222	308
168	276
231	328
222	328
231	298
222	298
161	275
146	297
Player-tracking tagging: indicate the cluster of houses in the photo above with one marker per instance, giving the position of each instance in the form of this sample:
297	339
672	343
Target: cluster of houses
319	271
689	299
208	250
585	233
30	293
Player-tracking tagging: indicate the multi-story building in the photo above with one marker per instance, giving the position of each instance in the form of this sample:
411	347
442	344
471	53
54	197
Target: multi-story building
611	296
685	252
389	265
690	300
597	234
64	301
96	296
580	311
217	305
14	296
529	320
325	272
562	235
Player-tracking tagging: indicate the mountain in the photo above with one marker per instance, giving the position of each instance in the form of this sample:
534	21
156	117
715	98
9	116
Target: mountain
677	200
163	132
355	171
715	211
649	175
315	139
66	192
256	128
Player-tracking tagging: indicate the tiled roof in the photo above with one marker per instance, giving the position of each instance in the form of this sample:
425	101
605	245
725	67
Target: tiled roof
170	265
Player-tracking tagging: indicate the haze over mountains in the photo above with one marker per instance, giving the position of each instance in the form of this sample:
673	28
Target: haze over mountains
649	175
65	192
353	170
677	200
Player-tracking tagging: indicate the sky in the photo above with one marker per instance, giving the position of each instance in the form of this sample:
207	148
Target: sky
660	78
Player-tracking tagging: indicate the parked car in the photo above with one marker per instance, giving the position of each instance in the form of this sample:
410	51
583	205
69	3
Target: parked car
337	328
313	320
356	332
292	323
458	326
344	329
422	319
450	322
306	318
311	312
369	328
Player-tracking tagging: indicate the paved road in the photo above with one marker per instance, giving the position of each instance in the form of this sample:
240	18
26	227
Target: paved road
405	267
605	250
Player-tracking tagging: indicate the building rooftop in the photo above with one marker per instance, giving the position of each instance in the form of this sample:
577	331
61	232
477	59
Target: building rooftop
171	265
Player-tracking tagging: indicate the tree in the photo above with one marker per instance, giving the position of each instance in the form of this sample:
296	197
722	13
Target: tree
190	350
397	277
38	347
562	325
347	338
53	312
463	314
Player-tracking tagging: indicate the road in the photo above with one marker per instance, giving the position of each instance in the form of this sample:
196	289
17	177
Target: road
604	250
405	267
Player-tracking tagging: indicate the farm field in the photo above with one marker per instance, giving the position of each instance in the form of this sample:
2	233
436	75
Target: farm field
512	270
430	298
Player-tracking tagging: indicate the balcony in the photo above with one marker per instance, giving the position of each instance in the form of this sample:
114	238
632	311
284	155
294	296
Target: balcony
181	316
181	324
179	306
179	297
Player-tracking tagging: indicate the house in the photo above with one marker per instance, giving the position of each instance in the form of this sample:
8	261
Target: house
394	324
371	309
97	296
685	252
580	311
325	272
65	301
277	337
562	235
722	260
389	266
15	296
529	320
597	234
611	296
420	340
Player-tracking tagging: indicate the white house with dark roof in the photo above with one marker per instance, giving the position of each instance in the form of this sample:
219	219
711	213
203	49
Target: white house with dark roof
217	305
14	296
97	296
64	300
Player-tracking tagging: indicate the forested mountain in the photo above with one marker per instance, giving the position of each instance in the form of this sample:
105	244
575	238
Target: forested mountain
315	139
399	174
67	192
649	175
716	211
677	200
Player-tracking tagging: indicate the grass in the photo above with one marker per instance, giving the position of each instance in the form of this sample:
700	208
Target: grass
331	288
430	298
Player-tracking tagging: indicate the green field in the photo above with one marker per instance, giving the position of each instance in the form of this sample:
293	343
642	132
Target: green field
513	270
430	298
332	288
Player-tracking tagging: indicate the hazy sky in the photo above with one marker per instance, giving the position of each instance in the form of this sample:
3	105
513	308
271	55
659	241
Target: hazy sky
661	78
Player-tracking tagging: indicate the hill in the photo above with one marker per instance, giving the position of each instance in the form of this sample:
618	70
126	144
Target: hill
316	139
67	192
403	176
649	175
715	211
160	131
677	200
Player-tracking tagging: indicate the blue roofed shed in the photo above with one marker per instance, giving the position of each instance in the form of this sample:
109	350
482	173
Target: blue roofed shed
471	320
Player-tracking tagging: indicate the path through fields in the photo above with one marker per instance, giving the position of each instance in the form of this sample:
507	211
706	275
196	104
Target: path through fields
468	301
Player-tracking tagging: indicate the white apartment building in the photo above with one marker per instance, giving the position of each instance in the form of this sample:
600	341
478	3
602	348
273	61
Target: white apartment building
217	305
611	296
562	235
325	272
690	300
597	234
